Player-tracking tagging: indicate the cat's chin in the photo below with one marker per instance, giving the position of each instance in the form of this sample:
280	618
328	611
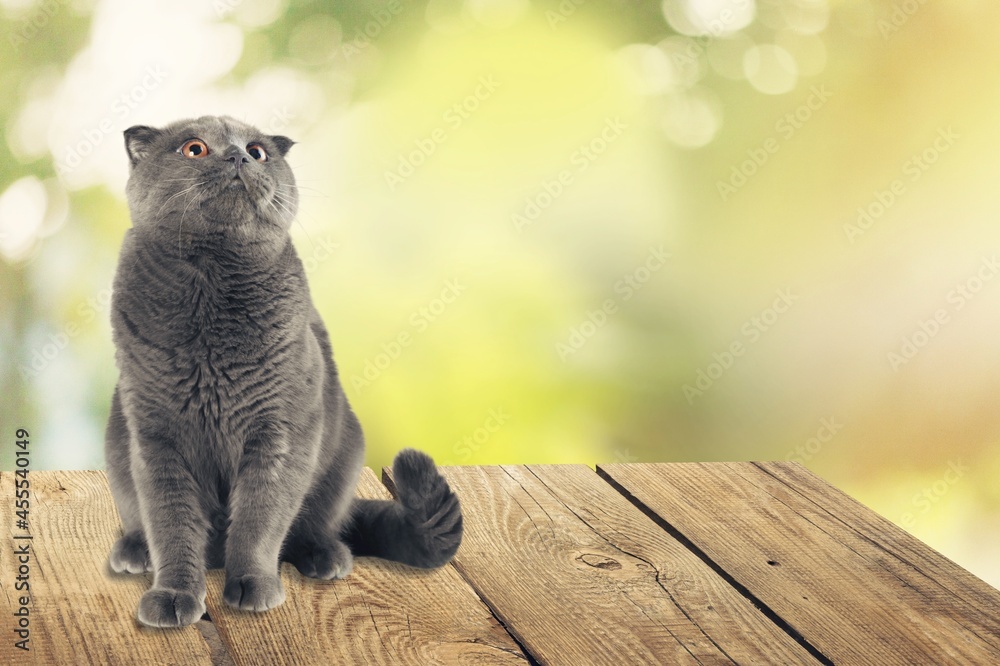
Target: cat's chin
233	203
234	192
238	207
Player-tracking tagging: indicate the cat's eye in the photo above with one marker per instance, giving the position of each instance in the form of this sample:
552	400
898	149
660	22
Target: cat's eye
257	152
194	148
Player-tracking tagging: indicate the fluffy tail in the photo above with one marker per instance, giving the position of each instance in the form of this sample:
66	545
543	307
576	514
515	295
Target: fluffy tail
423	529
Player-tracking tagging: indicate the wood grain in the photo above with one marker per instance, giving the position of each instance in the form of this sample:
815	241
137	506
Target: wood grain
81	612
576	572
856	598
382	613
887	544
580	576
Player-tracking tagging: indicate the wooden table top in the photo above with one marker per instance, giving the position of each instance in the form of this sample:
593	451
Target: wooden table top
649	563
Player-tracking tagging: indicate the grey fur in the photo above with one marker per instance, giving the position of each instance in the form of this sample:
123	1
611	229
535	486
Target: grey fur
230	441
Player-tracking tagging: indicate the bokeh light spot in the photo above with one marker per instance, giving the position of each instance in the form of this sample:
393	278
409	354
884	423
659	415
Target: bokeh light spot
22	212
709	17
770	69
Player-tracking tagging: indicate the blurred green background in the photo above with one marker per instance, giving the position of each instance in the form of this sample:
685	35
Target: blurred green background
571	231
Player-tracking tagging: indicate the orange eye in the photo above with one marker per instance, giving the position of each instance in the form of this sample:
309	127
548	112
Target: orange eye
256	151
194	148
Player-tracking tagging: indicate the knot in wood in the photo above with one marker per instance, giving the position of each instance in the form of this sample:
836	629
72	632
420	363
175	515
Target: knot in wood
599	561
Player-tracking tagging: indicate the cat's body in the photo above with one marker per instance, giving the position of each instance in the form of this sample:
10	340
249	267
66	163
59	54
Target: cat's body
231	442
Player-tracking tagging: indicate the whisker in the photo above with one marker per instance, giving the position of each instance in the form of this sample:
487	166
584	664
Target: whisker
303	227
180	224
277	202
278	205
313	189
177	194
284	199
179	180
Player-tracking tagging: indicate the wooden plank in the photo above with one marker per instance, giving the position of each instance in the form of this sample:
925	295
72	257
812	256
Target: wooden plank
891	546
580	576
853	598
382	613
80	611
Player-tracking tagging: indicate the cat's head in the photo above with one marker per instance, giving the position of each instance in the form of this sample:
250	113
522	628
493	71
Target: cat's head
208	175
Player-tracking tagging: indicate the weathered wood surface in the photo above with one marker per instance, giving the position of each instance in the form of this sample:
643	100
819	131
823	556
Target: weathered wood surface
382	613
581	576
838	575
747	563
81	612
888	542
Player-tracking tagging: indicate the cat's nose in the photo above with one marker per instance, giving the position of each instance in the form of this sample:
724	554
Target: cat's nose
237	156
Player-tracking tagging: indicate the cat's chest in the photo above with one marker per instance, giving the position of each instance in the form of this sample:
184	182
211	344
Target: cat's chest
213	324
228	322
209	345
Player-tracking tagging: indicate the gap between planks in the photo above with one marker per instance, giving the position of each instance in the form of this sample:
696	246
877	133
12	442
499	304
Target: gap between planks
869	602
712	564
673	620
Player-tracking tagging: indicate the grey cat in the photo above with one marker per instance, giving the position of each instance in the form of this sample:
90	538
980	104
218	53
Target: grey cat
230	441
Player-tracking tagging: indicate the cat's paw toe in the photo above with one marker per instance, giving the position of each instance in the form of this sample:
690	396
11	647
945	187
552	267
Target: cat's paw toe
254	592
324	561
170	608
130	554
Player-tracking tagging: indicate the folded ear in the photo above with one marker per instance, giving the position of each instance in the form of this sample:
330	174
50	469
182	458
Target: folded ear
138	141
282	143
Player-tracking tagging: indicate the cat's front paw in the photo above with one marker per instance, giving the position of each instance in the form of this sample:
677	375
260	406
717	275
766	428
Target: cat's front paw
325	561
160	607
130	554
254	592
